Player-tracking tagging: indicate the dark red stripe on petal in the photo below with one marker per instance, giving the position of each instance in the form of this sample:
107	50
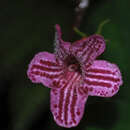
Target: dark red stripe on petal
100	77
59	83
72	107
42	74
87	49
83	90
61	100
80	48
83	49
73	79
98	83
102	71
56	84
45	68
48	63
85	52
88	58
67	101
80	90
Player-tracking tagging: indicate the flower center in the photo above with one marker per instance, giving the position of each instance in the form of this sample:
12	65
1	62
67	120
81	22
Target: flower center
72	64
73	67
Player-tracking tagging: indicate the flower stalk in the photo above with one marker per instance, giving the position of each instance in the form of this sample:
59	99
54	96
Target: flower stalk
80	9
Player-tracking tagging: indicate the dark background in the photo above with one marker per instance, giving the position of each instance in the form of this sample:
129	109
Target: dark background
26	28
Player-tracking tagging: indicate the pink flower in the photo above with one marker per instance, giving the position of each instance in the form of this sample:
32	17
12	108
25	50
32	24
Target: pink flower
73	74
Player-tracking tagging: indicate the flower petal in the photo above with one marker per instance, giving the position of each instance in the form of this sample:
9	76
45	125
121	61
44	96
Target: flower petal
44	68
87	49
103	79
67	103
61	48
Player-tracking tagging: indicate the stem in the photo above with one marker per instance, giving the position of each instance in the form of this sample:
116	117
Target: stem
79	13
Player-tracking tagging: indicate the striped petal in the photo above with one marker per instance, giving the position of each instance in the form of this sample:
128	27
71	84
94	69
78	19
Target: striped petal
45	69
103	79
67	103
61	48
87	49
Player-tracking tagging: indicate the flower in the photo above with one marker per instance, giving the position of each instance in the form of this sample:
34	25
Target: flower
73	74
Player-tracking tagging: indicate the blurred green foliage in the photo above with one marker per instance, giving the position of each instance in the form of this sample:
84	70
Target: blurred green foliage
27	27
